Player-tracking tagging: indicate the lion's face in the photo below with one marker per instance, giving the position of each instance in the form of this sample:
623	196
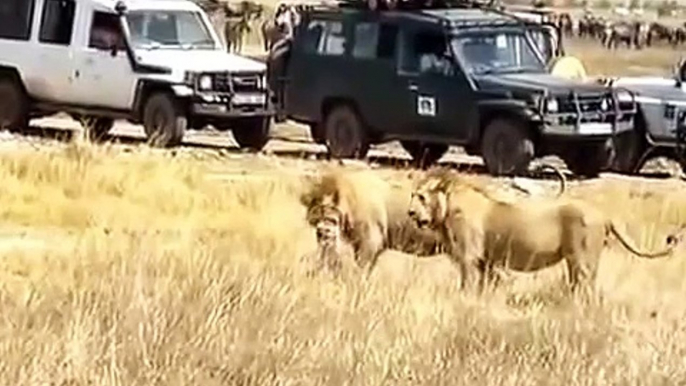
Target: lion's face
328	226
328	219
427	206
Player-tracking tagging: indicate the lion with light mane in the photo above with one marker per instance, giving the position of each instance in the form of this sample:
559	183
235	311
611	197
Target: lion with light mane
373	214
481	233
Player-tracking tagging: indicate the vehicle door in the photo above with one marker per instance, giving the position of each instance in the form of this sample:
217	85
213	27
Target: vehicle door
439	99
318	67
104	74
55	57
373	60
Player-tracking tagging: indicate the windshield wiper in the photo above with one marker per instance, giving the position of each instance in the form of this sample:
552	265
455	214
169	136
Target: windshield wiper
521	69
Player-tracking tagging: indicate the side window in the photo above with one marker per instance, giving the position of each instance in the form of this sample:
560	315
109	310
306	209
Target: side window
375	41
366	39
333	40
312	36
425	52
16	19
388	41
57	22
106	32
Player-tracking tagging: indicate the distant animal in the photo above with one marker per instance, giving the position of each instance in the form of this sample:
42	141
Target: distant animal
481	233
239	23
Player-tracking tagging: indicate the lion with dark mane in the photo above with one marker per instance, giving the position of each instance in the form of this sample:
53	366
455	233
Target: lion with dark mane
481	233
373	213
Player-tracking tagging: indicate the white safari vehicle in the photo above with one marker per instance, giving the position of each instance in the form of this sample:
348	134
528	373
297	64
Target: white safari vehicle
154	62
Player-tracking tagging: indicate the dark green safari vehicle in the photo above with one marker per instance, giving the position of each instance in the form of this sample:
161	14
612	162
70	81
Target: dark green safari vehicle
431	78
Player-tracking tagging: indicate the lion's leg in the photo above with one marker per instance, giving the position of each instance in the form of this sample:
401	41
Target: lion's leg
368	249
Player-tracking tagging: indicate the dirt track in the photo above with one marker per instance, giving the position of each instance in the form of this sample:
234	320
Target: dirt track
290	150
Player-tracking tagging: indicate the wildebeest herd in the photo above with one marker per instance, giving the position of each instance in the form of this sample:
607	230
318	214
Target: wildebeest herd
612	34
631	32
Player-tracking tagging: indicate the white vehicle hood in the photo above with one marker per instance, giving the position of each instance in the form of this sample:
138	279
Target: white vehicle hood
199	60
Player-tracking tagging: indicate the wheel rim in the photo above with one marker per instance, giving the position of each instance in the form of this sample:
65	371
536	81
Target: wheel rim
343	138
502	154
158	123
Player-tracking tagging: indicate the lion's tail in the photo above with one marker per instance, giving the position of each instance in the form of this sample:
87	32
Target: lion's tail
560	176
672	242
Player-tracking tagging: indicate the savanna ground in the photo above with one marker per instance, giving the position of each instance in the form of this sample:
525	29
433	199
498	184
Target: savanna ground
128	266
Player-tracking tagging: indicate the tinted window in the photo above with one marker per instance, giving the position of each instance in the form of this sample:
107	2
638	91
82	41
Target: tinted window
16	18
388	41
374	41
57	22
366	39
425	52
105	32
333	39
312	36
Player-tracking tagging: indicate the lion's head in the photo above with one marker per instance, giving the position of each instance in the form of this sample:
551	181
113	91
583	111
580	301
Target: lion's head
428	201
329	221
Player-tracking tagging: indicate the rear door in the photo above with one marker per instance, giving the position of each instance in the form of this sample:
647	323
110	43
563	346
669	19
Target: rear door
55	57
373	65
439	101
318	67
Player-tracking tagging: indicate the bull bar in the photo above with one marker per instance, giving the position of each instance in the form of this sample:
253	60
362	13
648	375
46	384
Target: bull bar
619	117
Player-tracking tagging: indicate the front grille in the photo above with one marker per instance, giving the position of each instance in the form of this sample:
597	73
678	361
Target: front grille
587	103
225	82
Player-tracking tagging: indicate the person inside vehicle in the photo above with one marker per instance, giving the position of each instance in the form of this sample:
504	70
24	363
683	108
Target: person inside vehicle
435	58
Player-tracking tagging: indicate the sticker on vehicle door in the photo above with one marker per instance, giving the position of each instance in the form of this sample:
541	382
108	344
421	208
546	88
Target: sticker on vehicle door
426	105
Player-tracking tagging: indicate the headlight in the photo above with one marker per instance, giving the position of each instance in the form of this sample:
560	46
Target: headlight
262	82
205	82
604	105
551	105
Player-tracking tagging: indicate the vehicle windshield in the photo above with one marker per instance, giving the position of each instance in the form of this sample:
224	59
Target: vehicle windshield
497	52
169	29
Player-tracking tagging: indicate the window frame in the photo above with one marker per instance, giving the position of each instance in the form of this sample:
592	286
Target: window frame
89	42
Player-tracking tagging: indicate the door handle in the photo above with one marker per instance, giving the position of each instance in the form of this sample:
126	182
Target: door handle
412	87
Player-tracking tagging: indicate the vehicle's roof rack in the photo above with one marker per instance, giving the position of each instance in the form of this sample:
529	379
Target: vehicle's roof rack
417	5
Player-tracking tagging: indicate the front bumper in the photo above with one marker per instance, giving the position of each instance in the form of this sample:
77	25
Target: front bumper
237	105
582	116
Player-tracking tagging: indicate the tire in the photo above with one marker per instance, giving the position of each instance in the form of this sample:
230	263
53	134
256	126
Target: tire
424	155
96	128
507	148
164	120
252	133
14	106
589	160
629	151
317	133
345	134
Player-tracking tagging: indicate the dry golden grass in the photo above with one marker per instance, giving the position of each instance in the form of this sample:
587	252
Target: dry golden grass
135	269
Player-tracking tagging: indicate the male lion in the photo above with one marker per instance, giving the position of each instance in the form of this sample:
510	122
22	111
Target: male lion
333	254
373	215
481	233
